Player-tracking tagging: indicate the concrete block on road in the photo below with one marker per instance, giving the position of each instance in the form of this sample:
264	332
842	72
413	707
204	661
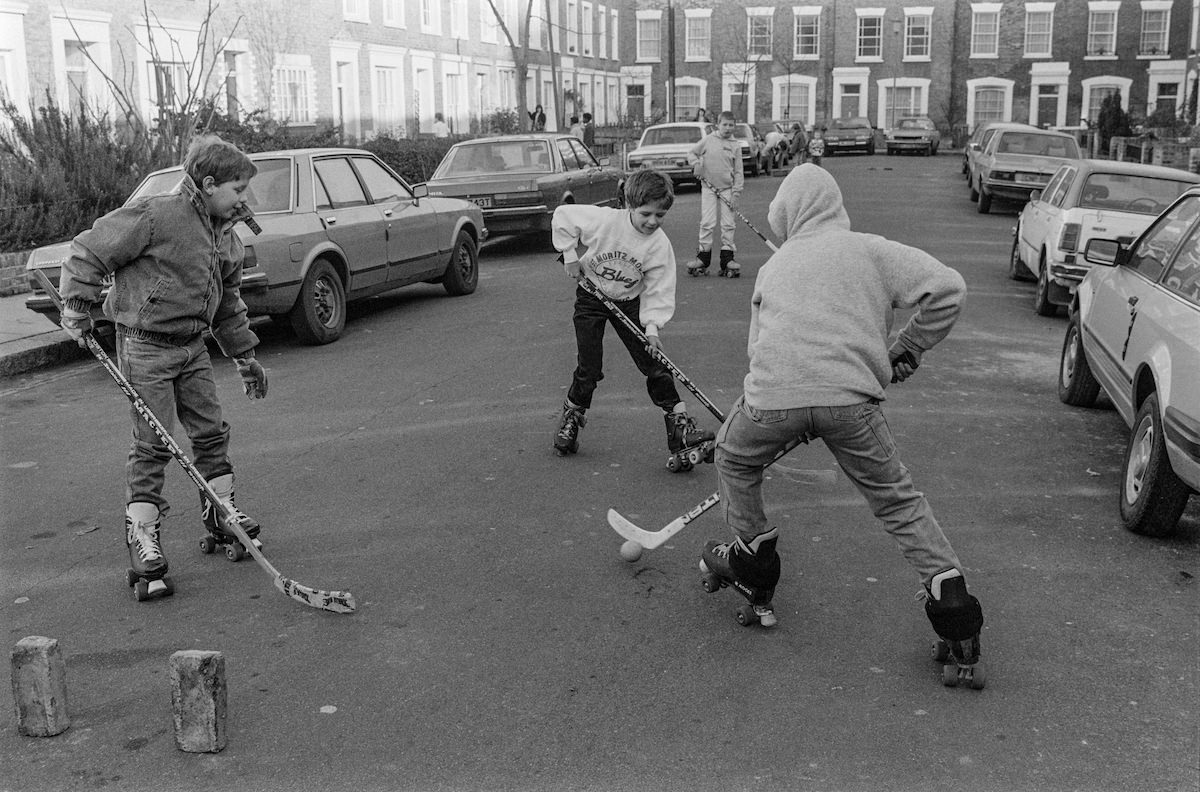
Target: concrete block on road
39	681
198	700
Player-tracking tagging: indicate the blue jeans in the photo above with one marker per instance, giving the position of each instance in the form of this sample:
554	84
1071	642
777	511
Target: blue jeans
172	380
591	317
862	444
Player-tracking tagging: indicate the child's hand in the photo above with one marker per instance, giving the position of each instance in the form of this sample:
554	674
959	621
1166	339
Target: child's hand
574	269
254	376
652	343
77	324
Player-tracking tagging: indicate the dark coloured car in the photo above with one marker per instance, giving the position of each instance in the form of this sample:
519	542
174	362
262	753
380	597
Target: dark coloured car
337	225
519	180
845	135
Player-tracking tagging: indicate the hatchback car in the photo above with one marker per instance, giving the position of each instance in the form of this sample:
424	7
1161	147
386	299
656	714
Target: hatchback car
917	134
850	134
665	148
1134	331
754	150
337	225
519	180
1085	199
1015	161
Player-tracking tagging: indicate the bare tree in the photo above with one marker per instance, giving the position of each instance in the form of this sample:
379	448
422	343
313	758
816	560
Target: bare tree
272	31
518	42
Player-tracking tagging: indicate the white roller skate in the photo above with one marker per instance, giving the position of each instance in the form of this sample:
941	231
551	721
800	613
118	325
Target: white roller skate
699	266
147	573
689	445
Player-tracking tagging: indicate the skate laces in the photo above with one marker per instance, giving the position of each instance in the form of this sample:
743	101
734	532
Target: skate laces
146	539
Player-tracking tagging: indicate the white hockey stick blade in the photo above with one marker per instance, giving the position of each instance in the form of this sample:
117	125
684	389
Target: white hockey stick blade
652	539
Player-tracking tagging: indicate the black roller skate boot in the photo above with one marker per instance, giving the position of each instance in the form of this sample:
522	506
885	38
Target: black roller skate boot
957	618
688	444
751	569
701	264
147	573
219	535
573	419
729	267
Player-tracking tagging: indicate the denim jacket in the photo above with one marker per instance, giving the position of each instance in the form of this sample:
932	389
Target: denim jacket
175	271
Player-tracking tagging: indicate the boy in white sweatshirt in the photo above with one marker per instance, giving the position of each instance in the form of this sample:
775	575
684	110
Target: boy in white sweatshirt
627	256
717	159
819	364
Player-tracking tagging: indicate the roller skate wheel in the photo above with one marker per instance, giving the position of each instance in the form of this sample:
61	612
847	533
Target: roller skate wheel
940	651
685	465
234	551
977	676
673	464
710	583
141	591
208	545
131	577
950	675
746	616
695	456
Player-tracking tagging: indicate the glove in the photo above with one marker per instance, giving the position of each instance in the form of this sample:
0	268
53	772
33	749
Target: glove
254	377
77	324
904	362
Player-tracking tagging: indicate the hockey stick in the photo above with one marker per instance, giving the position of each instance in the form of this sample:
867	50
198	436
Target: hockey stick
739	215
335	601
657	354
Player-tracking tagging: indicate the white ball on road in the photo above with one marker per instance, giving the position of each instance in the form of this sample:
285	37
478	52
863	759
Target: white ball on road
631	551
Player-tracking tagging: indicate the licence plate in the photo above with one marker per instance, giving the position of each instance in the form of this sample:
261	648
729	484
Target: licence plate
1031	178
484	202
663	163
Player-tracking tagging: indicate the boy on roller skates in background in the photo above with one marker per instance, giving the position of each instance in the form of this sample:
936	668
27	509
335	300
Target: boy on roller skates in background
627	256
717	159
176	266
819	364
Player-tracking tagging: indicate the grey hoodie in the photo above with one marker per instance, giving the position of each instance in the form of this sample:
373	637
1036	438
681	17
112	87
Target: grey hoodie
823	305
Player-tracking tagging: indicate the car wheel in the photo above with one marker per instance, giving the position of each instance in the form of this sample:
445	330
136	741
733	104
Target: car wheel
319	315
462	271
1152	496
1016	267
1041	298
974	194
984	204
929	150
1077	386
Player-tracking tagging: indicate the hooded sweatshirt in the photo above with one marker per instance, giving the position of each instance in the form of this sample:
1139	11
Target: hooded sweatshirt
823	304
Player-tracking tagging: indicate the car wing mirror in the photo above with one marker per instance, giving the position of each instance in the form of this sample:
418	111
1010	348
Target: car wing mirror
604	162
1035	196
1104	252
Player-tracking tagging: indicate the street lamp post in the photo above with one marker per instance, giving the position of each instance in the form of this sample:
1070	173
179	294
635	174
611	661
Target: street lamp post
895	68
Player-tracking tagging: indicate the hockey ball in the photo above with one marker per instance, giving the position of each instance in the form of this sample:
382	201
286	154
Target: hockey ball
631	551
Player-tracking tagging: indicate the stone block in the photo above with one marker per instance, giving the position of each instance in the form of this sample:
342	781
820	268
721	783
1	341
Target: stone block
39	682
198	700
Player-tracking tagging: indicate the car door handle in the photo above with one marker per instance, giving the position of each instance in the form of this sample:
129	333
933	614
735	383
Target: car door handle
387	212
1133	301
330	221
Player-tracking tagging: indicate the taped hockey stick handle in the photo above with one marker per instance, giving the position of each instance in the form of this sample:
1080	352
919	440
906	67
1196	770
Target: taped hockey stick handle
657	354
739	215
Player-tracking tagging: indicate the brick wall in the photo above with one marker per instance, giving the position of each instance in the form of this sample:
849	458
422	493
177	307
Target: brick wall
12	273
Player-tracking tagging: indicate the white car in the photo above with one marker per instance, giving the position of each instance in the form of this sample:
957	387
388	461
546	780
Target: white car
665	148
1016	160
1083	200
1134	331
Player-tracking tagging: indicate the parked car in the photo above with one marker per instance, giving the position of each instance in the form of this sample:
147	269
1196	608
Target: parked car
665	147
849	134
519	180
1134	331
918	134
1016	161
337	225
975	143
754	150
1085	199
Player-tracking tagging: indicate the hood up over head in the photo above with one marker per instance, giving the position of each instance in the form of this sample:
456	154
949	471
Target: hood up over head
809	201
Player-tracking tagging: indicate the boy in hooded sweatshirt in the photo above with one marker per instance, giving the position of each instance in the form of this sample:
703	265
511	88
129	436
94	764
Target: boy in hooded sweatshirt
819	364
717	159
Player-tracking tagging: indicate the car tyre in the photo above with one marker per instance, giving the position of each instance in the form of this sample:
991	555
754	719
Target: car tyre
462	271
1152	496
1077	386
973	194
1016	267
984	204
1041	297
319	315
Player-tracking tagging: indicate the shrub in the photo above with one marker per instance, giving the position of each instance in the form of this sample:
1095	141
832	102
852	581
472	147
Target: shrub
415	160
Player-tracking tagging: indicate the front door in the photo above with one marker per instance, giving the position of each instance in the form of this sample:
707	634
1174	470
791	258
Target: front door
351	221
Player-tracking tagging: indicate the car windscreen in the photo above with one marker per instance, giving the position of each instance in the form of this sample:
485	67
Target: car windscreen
1122	192
668	136
915	123
501	156
849	123
159	184
271	188
1036	145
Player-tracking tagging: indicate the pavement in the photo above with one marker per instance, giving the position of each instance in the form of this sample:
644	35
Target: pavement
28	340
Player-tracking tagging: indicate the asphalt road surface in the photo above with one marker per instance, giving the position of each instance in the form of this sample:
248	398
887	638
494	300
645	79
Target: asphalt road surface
500	642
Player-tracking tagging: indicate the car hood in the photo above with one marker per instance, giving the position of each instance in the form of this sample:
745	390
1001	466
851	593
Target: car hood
1028	163
913	133
856	132
49	256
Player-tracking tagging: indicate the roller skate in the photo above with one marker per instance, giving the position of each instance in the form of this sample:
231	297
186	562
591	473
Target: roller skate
957	618
218	533
752	570
147	573
729	267
701	263
689	445
573	419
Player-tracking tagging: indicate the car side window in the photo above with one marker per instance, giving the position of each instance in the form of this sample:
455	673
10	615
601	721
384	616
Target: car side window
1060	192
340	182
382	185
1152	252
1183	278
586	159
570	161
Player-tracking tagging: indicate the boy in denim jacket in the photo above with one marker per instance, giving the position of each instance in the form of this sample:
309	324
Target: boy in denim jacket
176	267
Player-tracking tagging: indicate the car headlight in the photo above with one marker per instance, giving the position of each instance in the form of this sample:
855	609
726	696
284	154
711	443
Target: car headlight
635	162
1001	176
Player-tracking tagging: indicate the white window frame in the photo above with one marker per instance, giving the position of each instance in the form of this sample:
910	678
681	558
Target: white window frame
850	75
734	74
1103	81
299	65
14	63
884	87
690	82
587	29
615	30
1095	9
422	97
489	26
779	88
1158	7
393	14
864	14
431	16
1038	11
356	11
1003	85
572	28
601	31
756	13
910	16
980	13
346	52
703	18
1167	71
1057	74
93	28
460	18
647	16
175	45
455	93
799	14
